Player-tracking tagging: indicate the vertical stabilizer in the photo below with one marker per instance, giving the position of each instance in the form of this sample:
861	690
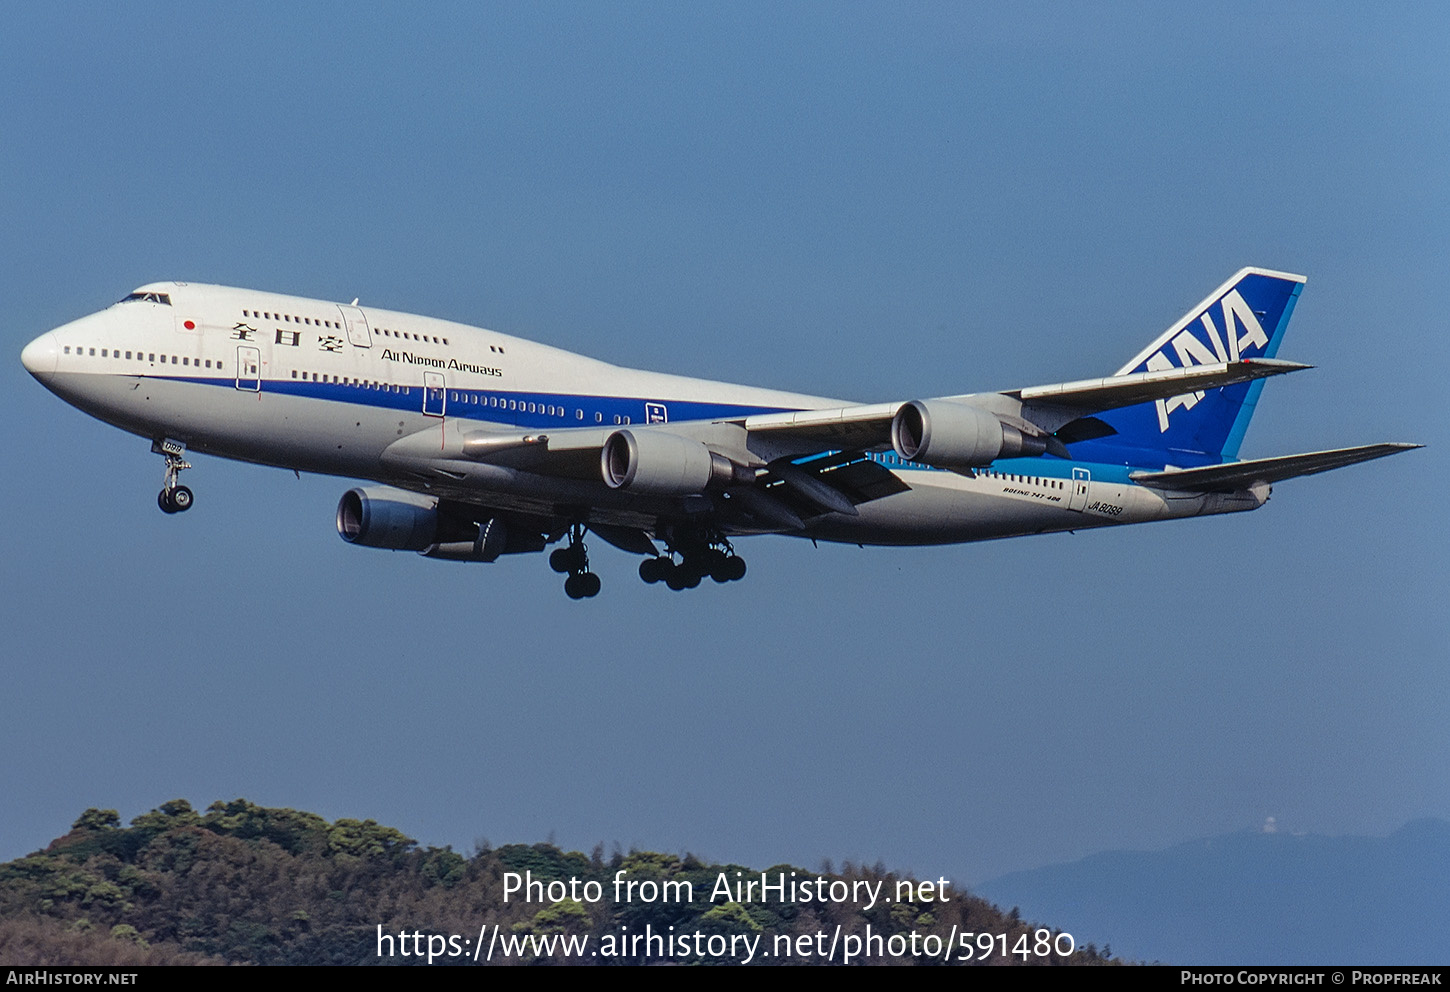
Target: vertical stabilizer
1243	318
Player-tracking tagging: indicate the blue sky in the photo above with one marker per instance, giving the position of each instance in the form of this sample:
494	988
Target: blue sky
875	202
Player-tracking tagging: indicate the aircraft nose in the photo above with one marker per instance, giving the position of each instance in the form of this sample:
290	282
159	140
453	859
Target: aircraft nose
40	355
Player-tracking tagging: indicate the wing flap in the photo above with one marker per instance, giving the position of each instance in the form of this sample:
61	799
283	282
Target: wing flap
859	477
836	482
864	480
1235	476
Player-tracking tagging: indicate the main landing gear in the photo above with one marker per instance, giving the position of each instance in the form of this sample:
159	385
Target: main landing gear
581	583
711	556
701	552
173	498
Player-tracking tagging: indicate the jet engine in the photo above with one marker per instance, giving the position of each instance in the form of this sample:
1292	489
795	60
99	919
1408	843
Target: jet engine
955	435
378	517
662	464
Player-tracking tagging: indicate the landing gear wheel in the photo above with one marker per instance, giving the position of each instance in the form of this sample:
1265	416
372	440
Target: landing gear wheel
582	585
182	499
733	568
717	565
689	574
574	558
163	500
652	570
698	566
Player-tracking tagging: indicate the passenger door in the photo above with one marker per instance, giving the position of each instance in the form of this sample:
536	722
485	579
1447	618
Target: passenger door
1077	497
358	333
435	394
249	369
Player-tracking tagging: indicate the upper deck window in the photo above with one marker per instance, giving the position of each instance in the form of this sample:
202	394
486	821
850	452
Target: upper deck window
162	298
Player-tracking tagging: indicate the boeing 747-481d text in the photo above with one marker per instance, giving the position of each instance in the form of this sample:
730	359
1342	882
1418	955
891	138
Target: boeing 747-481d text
485	445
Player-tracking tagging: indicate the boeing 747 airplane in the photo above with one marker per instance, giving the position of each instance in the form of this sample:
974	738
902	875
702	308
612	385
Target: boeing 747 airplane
485	445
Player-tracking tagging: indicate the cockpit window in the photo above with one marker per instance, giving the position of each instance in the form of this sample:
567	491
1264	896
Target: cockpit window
162	298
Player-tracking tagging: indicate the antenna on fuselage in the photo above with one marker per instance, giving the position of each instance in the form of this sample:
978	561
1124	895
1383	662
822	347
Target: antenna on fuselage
354	301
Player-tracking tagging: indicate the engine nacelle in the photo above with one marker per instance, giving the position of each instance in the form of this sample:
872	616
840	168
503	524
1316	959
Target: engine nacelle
957	435
387	518
663	464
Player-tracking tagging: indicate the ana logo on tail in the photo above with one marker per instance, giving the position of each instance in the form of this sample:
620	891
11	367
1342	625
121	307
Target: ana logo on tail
1228	346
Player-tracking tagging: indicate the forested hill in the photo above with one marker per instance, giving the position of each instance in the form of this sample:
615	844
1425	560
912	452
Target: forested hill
241	883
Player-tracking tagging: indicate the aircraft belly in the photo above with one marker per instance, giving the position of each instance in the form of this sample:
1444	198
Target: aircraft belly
943	508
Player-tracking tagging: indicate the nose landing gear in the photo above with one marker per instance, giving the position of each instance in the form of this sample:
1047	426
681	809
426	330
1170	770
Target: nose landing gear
173	498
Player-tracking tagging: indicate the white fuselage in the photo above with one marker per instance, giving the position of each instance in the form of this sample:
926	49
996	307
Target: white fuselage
322	387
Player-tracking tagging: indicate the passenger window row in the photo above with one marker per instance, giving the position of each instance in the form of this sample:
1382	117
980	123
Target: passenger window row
465	398
409	336
287	318
336	325
342	380
1027	479
146	356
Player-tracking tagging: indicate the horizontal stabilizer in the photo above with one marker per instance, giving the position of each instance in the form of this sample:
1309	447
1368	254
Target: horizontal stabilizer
1235	476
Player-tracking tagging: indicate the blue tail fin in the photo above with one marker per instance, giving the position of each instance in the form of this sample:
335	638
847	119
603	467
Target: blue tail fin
1243	318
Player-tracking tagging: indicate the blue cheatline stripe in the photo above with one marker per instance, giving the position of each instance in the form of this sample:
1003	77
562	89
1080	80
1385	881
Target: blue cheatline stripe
1043	468
409	399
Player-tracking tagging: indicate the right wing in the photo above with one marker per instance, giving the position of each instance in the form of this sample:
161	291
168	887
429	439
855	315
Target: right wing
816	460
1045	407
